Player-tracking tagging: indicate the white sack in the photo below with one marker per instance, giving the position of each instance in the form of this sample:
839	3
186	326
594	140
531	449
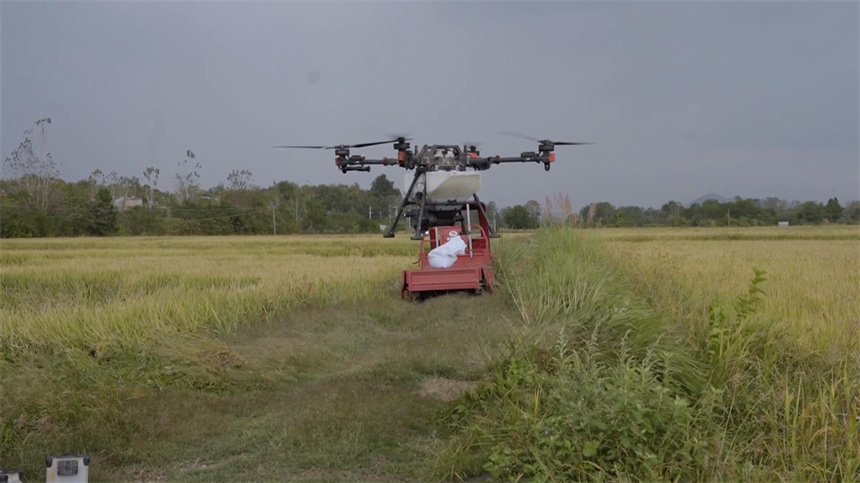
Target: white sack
445	255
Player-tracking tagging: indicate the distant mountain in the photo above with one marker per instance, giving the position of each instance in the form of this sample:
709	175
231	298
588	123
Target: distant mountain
710	196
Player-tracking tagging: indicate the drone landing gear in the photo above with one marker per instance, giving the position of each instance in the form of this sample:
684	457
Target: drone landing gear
418	235
422	206
390	232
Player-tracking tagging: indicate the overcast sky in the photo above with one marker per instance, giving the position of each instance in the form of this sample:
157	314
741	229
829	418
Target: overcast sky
681	98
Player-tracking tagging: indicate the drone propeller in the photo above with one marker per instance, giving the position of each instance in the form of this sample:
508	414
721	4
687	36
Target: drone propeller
399	136
364	145
359	145
542	141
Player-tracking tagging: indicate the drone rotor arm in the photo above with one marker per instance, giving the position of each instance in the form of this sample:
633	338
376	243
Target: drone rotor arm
360	163
481	164
523	158
380	162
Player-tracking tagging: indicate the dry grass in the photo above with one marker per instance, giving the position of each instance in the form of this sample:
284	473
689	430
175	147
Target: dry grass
790	372
813	286
272	357
250	358
115	294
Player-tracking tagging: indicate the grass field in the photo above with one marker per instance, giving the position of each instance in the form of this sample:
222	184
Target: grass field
813	287
120	293
797	359
263	358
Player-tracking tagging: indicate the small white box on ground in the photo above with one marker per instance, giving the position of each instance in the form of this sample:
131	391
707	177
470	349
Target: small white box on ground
9	476
68	468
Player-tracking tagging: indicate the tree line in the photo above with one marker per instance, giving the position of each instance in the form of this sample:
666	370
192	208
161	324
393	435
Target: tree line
105	205
36	202
711	212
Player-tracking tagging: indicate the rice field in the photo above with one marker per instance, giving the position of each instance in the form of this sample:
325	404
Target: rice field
813	274
115	294
275	333
661	354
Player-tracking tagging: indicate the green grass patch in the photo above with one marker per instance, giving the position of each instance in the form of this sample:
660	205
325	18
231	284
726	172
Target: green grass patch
599	384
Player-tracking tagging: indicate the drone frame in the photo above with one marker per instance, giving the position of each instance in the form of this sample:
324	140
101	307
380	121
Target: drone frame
435	213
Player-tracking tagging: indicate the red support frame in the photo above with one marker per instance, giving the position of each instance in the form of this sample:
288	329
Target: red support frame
472	271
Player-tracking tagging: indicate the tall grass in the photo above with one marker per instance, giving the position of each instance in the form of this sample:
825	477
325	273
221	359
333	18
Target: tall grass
790	369
605	382
83	323
597	384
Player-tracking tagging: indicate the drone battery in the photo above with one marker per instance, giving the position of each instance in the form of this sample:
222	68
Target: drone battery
7	476
68	468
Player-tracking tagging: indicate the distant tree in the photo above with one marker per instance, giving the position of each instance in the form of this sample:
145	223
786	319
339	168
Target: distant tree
382	187
628	216
534	210
151	174
852	211
744	208
32	169
104	214
713	212
314	219
673	220
492	210
672	208
96	180
775	204
811	212
587	214
519	217
834	210
186	178
239	180
602	212
652	216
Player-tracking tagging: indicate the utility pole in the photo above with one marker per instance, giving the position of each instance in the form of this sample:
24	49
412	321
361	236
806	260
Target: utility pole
729	218
370	212
274	230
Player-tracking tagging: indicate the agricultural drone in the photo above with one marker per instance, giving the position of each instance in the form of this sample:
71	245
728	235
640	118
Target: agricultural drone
441	195
442	181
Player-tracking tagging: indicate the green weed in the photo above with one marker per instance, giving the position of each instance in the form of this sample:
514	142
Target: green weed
602	382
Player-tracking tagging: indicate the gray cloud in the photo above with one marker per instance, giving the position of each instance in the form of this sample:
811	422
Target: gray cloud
754	99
